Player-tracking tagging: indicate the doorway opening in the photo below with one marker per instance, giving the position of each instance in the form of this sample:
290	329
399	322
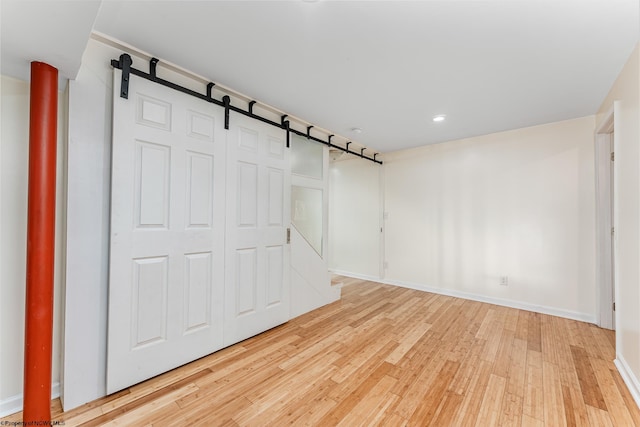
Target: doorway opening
606	221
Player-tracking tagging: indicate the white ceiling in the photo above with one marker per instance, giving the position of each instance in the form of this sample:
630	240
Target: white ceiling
51	31
386	66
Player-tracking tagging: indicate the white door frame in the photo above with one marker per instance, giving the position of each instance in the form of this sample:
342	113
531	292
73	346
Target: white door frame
605	221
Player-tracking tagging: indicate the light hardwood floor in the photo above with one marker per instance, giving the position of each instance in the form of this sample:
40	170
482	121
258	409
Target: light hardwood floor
389	356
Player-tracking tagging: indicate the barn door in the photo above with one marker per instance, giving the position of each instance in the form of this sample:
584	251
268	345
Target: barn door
166	280
258	215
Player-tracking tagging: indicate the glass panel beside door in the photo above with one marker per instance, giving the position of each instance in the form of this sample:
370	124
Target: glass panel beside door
306	214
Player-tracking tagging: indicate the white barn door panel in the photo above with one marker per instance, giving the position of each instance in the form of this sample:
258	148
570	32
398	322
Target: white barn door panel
258	215
166	285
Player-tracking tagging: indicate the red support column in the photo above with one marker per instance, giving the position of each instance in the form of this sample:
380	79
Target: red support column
43	122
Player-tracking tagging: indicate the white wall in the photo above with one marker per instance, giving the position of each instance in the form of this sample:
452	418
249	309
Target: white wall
626	90
355	212
87	260
519	204
14	168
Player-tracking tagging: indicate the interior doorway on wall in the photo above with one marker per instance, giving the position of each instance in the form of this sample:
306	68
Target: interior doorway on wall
606	221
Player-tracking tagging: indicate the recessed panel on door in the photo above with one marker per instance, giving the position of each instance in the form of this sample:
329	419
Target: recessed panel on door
199	190
248	139
153	112
247	191
197	286
152	198
276	148
246	280
149	307
200	126
275	274
275	197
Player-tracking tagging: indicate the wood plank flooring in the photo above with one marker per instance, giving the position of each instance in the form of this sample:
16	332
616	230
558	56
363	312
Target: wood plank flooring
389	356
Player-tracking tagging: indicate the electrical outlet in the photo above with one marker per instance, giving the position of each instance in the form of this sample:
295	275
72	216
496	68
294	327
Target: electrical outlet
504	281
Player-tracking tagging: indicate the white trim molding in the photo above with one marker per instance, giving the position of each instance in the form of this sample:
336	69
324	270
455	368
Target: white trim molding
356	275
552	311
13	404
629	379
604	233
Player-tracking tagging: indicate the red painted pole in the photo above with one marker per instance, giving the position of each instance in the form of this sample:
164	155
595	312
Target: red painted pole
41	212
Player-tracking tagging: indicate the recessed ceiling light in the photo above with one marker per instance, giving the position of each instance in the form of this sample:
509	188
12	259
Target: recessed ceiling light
439	118
356	130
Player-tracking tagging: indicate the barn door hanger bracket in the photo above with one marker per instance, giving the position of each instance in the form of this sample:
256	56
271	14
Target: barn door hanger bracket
153	63
210	86
227	104
124	63
285	124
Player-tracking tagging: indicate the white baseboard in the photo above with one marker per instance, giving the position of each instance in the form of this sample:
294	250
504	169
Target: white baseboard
583	317
628	377
356	275
13	404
